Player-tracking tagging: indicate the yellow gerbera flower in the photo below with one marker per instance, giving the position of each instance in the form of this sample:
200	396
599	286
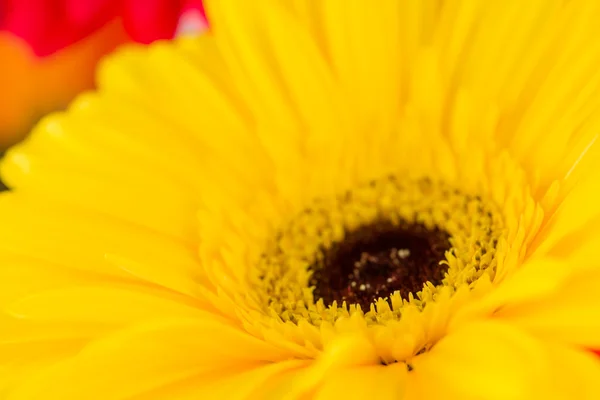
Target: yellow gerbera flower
318	199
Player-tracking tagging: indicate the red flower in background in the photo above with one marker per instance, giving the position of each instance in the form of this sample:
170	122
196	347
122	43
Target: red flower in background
50	25
49	48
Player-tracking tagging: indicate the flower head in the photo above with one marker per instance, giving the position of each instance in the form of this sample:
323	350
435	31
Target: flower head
317	199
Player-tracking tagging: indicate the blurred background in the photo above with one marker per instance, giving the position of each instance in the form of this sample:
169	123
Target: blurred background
49	49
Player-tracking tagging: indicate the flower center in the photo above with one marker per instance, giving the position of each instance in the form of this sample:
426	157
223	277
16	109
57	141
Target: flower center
377	249
379	259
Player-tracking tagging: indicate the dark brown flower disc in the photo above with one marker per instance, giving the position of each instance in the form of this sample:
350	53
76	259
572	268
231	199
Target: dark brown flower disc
376	260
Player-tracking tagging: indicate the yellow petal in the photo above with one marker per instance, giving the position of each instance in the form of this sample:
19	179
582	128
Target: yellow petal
573	217
368	68
88	311
19	361
80	240
145	357
535	280
237	383
103	305
34	275
579	248
571	315
242	42
385	382
118	196
483	360
574	374
340	353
